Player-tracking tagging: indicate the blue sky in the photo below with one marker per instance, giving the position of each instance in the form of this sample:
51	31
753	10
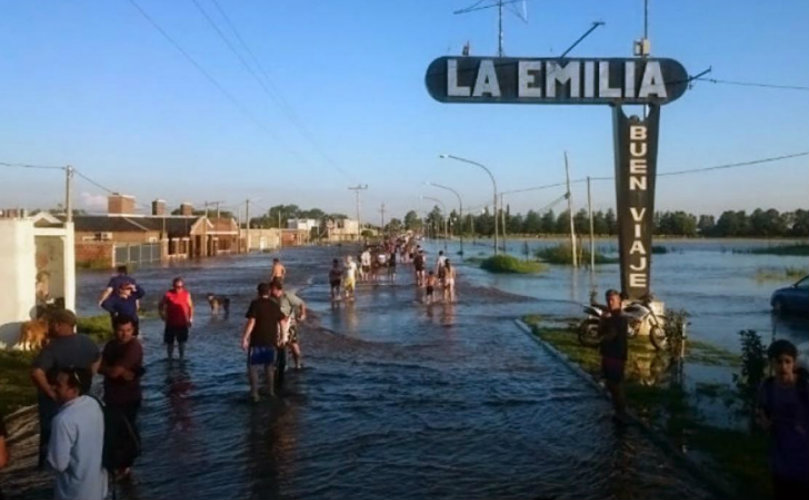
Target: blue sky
94	85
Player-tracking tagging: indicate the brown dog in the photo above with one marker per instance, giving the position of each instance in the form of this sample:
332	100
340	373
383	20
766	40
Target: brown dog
33	335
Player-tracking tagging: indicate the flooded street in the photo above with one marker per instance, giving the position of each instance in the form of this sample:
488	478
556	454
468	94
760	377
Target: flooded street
397	400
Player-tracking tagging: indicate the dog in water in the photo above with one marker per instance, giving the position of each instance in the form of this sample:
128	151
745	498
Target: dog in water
219	301
33	335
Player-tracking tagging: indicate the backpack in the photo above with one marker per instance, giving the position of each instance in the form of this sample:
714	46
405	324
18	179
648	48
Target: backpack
121	442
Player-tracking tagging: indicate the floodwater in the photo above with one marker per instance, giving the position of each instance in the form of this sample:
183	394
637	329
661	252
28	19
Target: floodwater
397	400
713	280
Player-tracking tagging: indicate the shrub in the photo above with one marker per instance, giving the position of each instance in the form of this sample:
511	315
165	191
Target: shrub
509	264
560	254
98	328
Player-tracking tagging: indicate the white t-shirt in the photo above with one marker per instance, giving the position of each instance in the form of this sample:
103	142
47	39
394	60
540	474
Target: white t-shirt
365	258
351	270
441	260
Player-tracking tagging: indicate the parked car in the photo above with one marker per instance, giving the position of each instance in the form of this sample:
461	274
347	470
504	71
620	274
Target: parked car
792	299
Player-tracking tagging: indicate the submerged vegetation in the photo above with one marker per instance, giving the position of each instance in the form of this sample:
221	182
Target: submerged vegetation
795	249
780	274
656	393
560	254
509	264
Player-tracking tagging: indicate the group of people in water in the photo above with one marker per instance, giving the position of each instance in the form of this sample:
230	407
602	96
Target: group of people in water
381	260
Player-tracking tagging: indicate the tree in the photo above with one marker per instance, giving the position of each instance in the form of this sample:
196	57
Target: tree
706	225
549	222
532	224
611	221
394	226
412	221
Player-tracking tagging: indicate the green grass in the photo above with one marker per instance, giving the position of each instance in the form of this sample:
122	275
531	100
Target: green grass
560	254
709	354
780	274
794	249
98	328
509	264
16	388
94	265
737	457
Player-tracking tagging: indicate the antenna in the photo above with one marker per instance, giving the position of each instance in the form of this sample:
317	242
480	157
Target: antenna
512	5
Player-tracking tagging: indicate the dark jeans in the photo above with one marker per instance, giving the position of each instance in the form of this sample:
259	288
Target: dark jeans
126	449
47	409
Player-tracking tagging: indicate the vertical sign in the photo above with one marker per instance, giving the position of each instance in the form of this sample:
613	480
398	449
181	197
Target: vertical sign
635	172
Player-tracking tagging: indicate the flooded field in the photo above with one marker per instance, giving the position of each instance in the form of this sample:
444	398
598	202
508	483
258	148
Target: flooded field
398	400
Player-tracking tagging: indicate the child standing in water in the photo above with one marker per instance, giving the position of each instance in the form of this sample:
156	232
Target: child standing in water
335	276
429	292
783	410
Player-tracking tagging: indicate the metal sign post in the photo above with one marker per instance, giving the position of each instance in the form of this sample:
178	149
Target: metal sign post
646	81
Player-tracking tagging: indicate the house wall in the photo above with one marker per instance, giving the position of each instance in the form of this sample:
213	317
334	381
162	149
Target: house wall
96	254
120	236
18	275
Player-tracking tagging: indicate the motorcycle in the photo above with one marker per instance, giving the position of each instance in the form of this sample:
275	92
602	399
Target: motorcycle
641	313
637	313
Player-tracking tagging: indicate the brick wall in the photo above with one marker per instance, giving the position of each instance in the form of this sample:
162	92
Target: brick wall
94	254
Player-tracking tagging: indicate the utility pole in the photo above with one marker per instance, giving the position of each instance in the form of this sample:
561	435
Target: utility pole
592	232
382	211
357	189
569	197
68	194
247	225
500	28
503	221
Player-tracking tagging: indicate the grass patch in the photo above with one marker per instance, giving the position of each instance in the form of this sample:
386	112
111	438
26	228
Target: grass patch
509	264
709	354
739	458
560	254
16	388
795	249
780	273
94	265
98	327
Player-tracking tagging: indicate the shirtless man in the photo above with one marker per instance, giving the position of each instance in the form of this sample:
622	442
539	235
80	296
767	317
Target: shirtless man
278	270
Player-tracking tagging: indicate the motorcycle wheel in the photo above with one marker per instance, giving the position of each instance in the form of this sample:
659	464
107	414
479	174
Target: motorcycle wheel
588	333
658	337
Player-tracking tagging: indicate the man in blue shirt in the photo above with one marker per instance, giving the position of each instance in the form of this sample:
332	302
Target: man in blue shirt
77	439
125	303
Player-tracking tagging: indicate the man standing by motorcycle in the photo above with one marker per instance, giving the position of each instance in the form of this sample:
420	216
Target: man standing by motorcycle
612	329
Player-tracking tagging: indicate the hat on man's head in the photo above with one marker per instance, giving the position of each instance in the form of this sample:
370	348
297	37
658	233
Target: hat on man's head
65	316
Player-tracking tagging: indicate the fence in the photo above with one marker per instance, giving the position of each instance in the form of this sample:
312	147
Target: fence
145	253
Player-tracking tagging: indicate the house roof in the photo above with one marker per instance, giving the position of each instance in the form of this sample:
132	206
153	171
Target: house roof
175	226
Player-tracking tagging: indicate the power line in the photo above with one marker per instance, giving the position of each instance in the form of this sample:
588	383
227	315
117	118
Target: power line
266	84
93	182
752	84
213	80
26	165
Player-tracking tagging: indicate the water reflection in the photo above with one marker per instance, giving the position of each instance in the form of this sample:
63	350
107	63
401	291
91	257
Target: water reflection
178	391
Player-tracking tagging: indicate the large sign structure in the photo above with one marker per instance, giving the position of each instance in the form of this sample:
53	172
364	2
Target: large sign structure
613	81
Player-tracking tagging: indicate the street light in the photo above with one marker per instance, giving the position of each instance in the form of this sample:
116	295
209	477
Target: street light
446	216
460	208
494	185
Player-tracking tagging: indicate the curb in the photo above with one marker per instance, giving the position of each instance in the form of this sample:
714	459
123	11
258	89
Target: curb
718	488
